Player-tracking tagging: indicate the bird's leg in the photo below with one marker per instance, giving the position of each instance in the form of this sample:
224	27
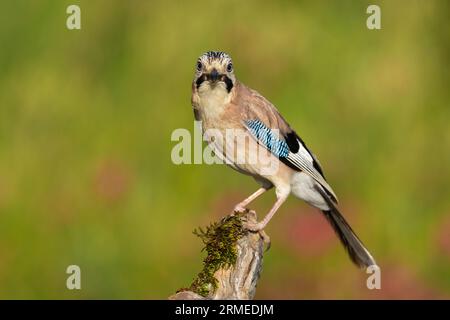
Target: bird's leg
261	225
241	206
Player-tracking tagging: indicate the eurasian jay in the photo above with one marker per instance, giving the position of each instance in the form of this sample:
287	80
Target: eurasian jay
221	103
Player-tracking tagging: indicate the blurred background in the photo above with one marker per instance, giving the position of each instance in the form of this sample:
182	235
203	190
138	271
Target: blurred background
86	117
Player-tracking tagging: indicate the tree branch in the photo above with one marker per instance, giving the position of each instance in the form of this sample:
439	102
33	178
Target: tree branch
233	263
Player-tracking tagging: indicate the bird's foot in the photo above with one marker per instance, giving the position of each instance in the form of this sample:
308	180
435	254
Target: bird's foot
266	239
239	209
252	226
258	227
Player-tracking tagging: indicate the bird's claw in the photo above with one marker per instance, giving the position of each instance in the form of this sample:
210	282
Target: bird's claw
266	239
258	227
251	226
239	209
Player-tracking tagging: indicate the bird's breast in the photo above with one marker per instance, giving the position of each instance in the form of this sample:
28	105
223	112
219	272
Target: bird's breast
212	102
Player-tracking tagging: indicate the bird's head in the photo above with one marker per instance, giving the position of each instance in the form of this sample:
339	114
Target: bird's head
214	70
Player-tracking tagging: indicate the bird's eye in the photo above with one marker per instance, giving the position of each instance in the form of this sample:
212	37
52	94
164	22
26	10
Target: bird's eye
199	66
230	67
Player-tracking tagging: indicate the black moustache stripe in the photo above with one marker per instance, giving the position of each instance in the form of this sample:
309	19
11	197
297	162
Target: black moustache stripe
200	80
228	83
224	78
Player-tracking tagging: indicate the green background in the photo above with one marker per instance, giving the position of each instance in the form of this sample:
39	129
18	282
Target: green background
86	118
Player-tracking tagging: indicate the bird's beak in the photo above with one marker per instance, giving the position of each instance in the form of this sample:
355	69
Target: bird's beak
214	75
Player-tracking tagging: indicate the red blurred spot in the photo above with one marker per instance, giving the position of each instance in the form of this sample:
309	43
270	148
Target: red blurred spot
309	233
400	282
112	181
443	236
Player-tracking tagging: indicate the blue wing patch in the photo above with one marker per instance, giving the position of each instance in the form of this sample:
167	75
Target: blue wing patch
268	138
291	151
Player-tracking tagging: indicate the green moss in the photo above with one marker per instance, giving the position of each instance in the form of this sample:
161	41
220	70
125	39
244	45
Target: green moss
220	240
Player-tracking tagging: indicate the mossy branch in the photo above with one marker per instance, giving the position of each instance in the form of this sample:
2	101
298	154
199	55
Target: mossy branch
220	241
233	262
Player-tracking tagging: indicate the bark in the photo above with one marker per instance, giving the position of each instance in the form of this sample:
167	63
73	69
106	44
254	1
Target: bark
239	280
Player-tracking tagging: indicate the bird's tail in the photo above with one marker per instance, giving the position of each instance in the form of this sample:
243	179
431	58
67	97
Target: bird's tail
355	248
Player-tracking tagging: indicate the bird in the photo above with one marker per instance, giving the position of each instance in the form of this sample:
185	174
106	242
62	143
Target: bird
222	103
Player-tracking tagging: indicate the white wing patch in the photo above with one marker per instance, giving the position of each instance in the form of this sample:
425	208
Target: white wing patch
302	152
305	162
